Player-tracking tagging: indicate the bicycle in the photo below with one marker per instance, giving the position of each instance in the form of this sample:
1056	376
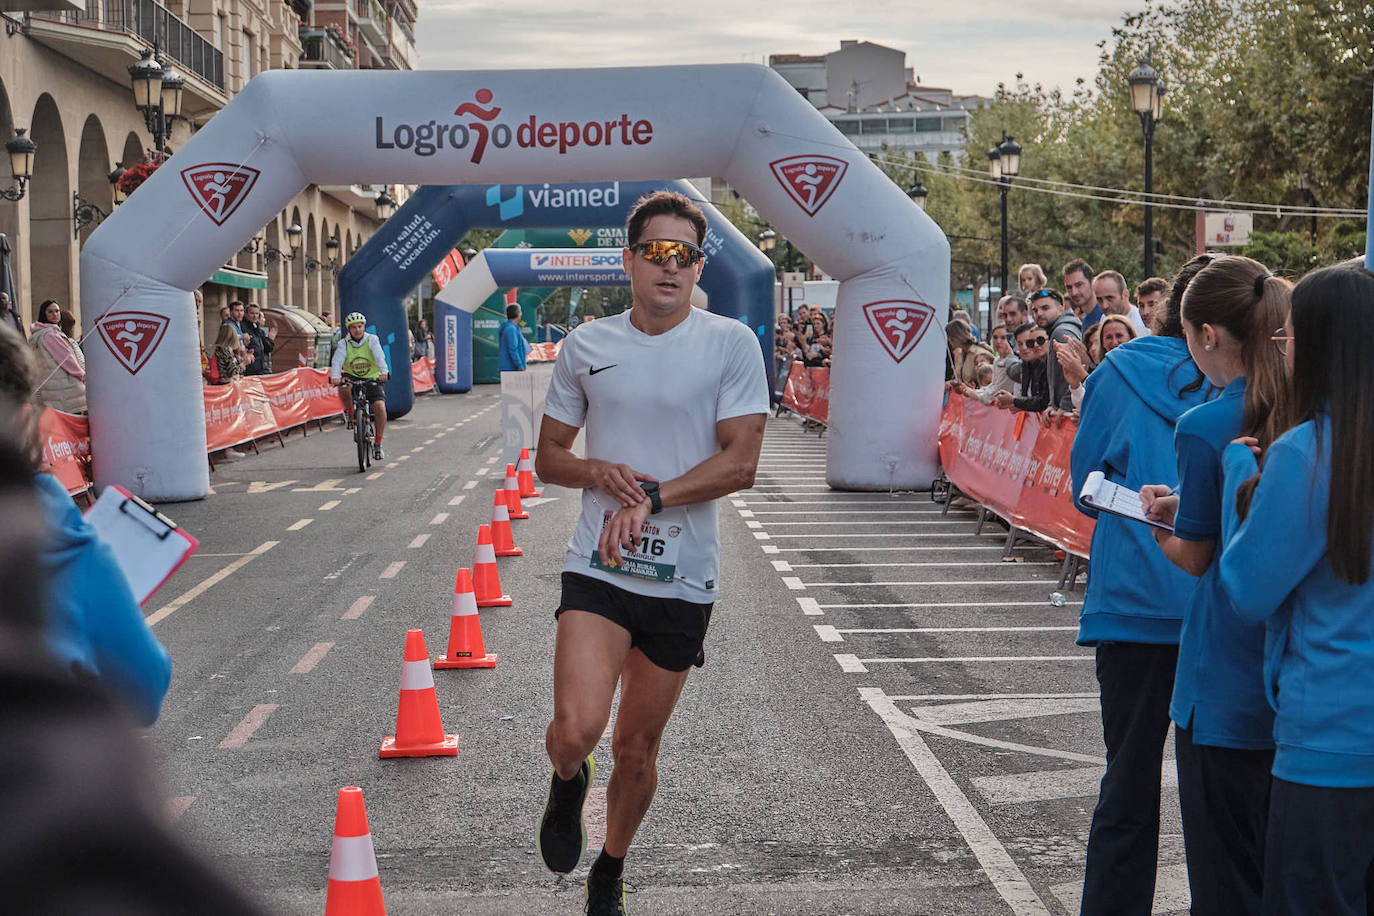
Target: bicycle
364	428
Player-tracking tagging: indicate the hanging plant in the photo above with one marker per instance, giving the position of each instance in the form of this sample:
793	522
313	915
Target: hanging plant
139	172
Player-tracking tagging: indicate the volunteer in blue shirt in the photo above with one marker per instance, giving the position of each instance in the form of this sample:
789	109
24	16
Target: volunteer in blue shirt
1299	561
1133	606
1223	732
512	353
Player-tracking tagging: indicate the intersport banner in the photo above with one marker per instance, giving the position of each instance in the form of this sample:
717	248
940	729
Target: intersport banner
1016	464
807	392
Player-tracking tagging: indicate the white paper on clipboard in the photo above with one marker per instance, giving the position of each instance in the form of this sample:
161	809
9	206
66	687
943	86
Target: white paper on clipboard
148	546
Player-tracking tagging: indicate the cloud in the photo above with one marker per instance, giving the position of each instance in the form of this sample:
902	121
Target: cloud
968	47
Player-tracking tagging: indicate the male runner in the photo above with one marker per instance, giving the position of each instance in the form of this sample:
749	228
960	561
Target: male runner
674	401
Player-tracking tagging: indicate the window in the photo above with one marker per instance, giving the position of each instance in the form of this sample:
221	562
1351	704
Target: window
849	128
899	125
927	125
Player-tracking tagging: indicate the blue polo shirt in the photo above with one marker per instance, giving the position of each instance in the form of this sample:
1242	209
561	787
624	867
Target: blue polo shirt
511	356
1219	685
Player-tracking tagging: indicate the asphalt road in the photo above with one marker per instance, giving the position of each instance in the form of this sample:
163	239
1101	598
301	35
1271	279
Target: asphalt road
892	720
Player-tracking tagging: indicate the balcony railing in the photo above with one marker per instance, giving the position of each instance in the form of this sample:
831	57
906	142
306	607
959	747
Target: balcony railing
155	24
320	51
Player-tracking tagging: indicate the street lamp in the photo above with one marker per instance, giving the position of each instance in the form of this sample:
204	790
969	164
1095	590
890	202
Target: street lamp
768	240
157	93
918	194
331	248
21	150
385	206
272	254
1004	164
1147	100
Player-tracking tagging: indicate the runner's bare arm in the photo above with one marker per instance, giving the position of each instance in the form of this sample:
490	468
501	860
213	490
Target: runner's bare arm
730	469
555	463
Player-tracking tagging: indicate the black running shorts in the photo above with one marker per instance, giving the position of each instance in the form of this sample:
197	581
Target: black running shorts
670	632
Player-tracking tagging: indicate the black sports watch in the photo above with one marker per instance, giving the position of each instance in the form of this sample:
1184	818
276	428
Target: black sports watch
655	502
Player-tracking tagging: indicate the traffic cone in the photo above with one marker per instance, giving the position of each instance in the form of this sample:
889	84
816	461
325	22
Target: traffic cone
502	541
354	887
419	733
465	646
512	492
526	476
485	577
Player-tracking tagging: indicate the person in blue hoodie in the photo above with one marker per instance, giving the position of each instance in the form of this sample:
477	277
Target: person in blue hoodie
1133	605
92	624
511	355
1299	561
1223	731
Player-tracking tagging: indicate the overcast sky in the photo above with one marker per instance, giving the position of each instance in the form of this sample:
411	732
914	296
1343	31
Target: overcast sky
986	42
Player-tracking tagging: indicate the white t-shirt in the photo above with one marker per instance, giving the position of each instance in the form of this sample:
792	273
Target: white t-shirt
653	402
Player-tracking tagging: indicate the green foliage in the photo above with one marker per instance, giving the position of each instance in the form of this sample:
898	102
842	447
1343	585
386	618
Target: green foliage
1260	93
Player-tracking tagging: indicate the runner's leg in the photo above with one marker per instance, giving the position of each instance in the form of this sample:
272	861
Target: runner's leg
587	659
648	694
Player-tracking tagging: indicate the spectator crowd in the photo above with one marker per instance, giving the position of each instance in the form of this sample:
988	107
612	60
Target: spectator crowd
1235	404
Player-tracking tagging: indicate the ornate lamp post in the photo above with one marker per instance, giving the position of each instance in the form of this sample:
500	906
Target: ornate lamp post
21	150
1147	100
1004	164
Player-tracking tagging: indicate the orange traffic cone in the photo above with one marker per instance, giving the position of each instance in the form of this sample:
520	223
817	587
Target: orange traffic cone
485	576
526	476
354	888
512	492
465	646
419	733
501	540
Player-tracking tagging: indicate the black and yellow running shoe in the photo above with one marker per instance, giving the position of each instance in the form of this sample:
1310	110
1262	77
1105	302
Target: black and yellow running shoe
562	830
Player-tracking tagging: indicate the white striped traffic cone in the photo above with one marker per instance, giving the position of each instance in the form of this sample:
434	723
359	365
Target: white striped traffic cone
486	578
525	474
355	889
419	731
465	646
517	511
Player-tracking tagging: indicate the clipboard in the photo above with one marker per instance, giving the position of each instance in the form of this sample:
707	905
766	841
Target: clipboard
148	545
1105	496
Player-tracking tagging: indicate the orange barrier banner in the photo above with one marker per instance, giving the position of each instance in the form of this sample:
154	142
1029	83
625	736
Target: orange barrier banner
237	412
66	440
1016	464
542	352
807	392
320	398
422	374
286	396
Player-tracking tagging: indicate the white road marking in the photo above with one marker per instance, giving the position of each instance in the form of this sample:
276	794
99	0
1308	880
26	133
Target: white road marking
1001	709
782	566
737	503
238	736
403	458
458	500
351	490
492	459
793	583
262	486
810	608
205	584
745	513
439	519
482	472
971	659
177	806
753	524
809	512
966	582
329	505
961	564
324	486
311	658
356	609
761	535
828	633
977	604
1052	785
961	630
419	541
1171	891
1001	869
418	448
297	526
769	548
962	530
391	571
850	664
997	547
375	474
469	485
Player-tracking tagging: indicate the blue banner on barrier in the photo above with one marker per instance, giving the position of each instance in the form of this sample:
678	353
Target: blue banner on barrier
738	279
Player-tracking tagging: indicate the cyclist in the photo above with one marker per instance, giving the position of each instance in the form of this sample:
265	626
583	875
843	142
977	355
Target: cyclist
361	357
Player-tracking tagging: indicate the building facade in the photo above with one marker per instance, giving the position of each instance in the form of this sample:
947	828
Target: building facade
64	79
873	97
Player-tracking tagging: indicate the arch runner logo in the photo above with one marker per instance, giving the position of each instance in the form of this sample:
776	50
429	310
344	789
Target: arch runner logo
899	324
219	187
809	180
132	336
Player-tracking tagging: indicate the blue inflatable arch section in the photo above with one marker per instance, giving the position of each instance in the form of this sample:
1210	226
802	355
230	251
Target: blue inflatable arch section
738	277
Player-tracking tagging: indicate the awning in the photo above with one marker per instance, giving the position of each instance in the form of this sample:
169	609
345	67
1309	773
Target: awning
244	279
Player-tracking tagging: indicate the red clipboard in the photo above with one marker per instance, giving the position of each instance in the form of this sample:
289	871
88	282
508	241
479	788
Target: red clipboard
148	545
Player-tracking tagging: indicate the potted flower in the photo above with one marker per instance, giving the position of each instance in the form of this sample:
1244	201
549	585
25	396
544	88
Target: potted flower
140	171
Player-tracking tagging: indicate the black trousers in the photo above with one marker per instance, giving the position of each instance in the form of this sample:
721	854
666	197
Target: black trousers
1136	682
1318	851
1224	794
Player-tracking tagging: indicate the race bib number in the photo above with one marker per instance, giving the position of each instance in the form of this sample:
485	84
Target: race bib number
660	539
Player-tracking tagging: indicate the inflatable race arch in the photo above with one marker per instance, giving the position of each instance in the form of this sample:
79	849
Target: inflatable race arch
742	123
382	273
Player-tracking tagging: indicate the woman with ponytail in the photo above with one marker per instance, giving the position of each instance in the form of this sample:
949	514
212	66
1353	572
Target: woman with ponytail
1299	562
1134	601
1224	733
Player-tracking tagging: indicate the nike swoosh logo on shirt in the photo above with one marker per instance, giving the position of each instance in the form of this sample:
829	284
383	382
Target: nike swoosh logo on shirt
592	370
